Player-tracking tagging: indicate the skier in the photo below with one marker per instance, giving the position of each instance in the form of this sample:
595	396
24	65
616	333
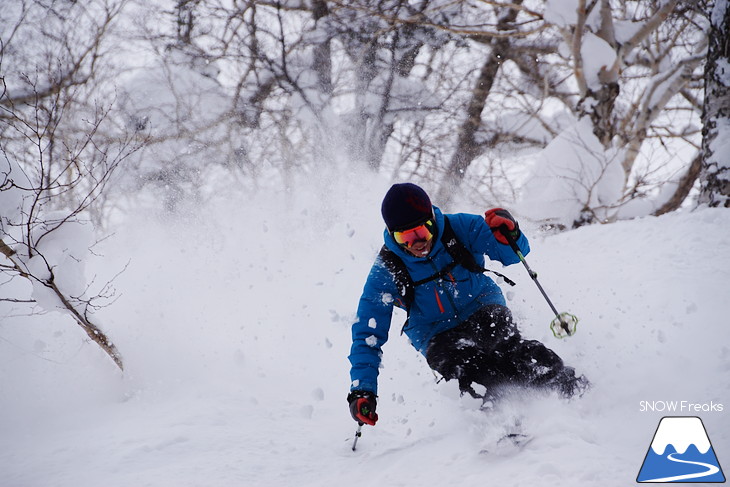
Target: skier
432	266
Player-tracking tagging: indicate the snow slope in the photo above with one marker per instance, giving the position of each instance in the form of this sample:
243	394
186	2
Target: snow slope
234	326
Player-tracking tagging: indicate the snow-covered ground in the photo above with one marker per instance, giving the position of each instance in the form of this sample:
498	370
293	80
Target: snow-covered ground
234	327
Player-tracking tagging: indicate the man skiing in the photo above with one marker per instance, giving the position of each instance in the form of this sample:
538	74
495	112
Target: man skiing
432	266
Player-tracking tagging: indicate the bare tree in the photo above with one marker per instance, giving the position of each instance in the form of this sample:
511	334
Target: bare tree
58	150
653	53
636	68
468	145
35	224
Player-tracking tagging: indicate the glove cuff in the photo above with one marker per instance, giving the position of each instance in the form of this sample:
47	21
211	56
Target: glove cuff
356	394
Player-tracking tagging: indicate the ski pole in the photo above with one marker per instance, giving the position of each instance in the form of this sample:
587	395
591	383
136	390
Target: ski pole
358	434
561	319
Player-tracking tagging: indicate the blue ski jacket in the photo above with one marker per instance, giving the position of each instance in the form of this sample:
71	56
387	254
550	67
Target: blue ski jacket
438	305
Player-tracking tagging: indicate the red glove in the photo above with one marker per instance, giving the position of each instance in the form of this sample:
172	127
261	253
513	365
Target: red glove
362	407
503	225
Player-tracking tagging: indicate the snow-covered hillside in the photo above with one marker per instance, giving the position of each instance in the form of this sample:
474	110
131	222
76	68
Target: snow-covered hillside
234	327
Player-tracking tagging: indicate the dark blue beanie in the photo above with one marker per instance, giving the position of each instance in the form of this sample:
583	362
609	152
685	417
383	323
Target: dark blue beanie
405	206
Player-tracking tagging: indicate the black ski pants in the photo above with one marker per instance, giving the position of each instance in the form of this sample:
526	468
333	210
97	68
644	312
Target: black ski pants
487	349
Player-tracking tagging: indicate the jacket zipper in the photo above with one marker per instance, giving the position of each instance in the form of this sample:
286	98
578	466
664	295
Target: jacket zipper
439	286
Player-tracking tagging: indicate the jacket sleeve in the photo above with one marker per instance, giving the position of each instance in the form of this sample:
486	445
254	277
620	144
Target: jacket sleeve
481	239
370	330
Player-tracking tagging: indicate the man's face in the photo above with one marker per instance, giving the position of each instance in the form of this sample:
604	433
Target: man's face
418	240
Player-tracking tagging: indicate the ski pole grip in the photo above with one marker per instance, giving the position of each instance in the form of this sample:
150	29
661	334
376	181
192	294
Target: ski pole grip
512	243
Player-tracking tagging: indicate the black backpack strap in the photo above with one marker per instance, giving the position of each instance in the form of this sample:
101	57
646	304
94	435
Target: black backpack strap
401	276
439	275
461	254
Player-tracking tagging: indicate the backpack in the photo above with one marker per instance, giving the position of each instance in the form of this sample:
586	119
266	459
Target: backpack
456	250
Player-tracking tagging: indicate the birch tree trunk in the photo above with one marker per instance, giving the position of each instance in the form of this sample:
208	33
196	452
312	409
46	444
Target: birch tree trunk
715	174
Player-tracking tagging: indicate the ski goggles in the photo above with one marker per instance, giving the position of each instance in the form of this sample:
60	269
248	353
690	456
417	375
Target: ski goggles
421	233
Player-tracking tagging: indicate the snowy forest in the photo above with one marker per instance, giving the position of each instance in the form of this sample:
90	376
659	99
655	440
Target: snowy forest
190	202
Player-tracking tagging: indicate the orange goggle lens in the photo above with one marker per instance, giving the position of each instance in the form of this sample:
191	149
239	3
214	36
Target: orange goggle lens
421	233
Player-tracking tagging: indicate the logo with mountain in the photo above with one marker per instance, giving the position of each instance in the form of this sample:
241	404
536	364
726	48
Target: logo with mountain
681	452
